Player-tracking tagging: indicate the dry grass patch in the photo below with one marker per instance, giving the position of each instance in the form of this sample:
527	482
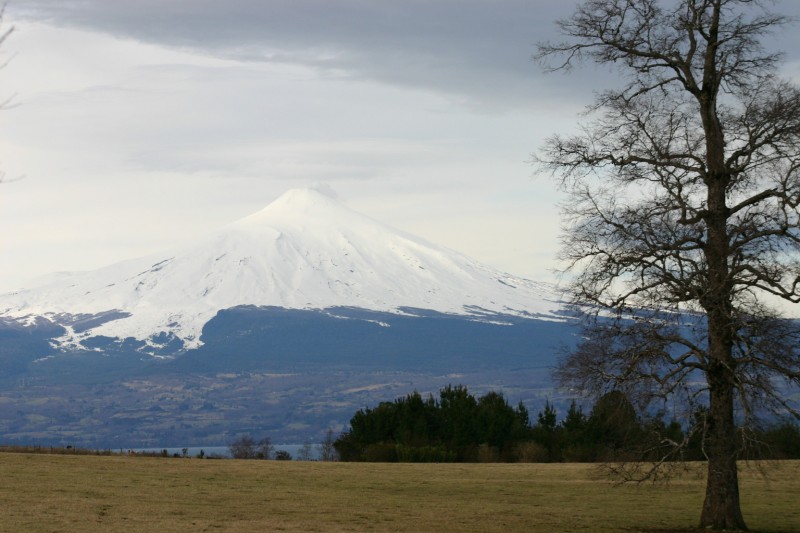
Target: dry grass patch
44	493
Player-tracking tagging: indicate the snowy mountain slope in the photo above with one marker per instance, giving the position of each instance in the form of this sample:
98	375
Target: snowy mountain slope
306	250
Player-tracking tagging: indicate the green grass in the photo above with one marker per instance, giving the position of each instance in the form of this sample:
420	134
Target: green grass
65	493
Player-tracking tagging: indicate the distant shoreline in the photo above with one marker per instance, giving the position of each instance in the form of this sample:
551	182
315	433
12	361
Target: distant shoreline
220	452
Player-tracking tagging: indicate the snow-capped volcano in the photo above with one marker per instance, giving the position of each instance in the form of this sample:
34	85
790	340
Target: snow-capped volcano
306	250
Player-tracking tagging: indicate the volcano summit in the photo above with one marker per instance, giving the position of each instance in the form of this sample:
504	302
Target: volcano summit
306	250
283	323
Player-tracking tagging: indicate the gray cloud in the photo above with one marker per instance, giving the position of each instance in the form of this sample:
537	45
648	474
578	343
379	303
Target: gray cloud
475	50
478	50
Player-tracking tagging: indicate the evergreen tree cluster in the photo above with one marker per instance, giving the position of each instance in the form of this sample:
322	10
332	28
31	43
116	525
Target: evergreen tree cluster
458	427
455	428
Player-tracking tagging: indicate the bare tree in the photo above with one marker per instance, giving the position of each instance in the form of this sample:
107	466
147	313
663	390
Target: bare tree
264	449
327	452
682	224
306	452
4	34
243	447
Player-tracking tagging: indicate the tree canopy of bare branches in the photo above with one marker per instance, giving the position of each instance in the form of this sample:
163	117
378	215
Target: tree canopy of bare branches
4	34
682	227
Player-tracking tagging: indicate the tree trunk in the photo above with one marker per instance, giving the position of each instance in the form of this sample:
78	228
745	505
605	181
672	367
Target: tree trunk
721	509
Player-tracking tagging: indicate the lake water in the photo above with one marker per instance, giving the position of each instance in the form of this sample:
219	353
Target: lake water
224	451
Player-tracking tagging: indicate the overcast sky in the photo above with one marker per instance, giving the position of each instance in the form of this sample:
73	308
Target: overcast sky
137	125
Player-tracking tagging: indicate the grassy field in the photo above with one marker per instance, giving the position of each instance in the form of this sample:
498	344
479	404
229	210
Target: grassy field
66	493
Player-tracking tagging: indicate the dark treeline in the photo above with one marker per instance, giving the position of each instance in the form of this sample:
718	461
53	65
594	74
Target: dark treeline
457	427
53	450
